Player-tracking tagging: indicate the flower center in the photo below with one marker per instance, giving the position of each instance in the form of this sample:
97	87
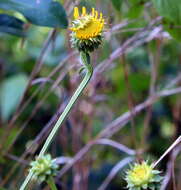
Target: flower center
141	174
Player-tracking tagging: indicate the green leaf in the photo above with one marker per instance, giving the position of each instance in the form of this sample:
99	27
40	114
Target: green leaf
173	30
117	4
171	12
136	9
10	95
39	12
11	25
169	9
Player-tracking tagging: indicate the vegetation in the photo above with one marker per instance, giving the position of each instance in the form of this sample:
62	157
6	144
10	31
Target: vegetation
87	89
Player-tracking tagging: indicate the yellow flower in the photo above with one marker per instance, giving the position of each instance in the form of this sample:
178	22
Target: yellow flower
87	29
87	26
143	176
140	174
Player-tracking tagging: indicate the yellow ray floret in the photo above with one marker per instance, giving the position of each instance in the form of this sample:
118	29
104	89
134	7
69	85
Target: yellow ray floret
86	26
76	13
83	11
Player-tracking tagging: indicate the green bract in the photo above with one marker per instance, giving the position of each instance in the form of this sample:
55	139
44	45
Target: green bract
86	45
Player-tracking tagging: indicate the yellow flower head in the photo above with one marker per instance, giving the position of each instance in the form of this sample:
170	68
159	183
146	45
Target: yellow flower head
142	176
85	25
87	29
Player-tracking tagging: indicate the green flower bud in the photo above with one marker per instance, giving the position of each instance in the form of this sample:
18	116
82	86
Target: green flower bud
43	167
143	176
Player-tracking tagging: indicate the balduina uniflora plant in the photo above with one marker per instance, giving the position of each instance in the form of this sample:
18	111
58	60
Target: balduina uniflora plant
86	36
143	176
87	30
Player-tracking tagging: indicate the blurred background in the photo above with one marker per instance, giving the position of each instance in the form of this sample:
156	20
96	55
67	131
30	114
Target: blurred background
140	57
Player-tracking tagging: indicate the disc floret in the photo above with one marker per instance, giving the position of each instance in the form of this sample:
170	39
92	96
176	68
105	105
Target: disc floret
143	176
87	30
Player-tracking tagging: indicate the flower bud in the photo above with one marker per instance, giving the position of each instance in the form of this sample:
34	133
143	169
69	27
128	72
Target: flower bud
43	167
143	176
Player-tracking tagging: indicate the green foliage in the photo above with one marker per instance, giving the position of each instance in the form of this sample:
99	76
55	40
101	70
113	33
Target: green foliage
117	4
174	30
136	8
135	11
170	9
11	92
42	13
171	12
104	102
11	25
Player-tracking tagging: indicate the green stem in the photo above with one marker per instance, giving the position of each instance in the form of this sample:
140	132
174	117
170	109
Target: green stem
89	71
51	183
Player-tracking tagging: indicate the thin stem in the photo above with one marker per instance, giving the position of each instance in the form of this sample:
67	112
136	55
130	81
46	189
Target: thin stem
26	181
176	142
51	183
130	101
154	58
69	106
89	71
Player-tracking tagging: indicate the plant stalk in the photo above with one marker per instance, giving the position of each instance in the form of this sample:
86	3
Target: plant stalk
175	143
51	183
89	71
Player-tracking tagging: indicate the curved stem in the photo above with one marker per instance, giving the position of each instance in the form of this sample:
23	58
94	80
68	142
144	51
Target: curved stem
89	71
51	183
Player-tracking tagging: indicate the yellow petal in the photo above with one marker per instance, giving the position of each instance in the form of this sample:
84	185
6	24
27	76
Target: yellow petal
100	16
96	15
76	12
83	11
73	29
93	11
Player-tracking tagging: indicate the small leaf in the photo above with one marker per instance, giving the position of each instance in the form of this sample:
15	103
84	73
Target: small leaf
11	25
10	95
43	12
